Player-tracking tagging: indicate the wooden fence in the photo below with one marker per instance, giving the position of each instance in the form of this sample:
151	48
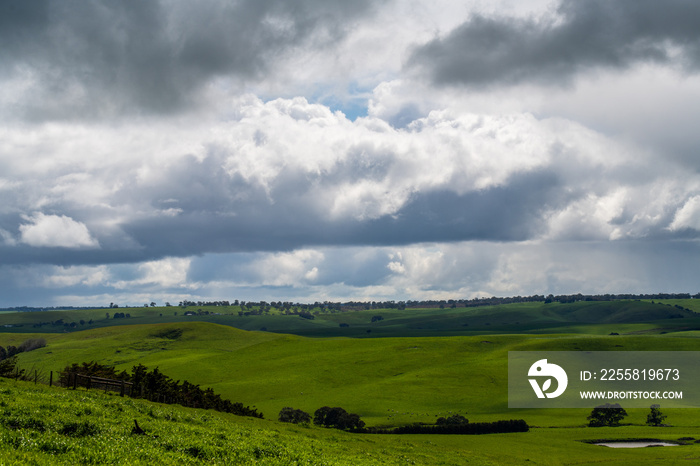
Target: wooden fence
76	380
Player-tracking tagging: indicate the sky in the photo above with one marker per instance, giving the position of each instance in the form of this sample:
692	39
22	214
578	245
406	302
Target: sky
313	150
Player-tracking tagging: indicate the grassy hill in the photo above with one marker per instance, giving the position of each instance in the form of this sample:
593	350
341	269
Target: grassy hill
388	381
579	317
409	375
45	426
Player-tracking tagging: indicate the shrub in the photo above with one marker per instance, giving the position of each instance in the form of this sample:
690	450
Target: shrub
32	344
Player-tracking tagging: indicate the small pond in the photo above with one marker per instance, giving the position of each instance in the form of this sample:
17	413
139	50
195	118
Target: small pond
640	444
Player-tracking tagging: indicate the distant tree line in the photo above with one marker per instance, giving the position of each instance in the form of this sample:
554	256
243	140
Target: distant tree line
338	418
60	323
153	385
333	418
493	301
205	303
258	308
476	428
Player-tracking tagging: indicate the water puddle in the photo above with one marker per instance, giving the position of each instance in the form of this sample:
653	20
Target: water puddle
636	444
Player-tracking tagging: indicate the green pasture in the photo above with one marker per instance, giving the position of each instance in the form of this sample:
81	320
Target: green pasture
427	364
44	426
388	381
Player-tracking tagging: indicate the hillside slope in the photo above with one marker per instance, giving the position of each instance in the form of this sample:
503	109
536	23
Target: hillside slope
536	317
387	381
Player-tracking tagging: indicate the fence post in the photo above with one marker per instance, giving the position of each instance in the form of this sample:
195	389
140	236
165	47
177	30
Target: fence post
36	376
121	392
75	380
51	379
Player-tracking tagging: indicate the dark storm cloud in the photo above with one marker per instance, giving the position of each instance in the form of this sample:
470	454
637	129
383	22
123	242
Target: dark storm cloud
103	56
512	212
585	36
220	215
509	213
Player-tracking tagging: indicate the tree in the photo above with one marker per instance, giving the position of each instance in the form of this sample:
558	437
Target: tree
607	415
655	417
8	368
349	421
337	418
295	416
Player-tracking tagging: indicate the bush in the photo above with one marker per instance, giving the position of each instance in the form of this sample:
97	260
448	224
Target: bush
32	344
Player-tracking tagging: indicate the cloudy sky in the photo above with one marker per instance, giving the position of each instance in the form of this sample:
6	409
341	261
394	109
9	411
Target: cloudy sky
310	150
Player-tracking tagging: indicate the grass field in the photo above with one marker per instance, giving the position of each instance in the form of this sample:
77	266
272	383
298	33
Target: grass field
44	426
398	380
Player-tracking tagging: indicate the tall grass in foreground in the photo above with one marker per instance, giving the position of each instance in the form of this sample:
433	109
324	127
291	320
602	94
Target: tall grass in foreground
42	425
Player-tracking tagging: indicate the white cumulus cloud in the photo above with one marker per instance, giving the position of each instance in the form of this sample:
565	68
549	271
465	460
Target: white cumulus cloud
56	231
